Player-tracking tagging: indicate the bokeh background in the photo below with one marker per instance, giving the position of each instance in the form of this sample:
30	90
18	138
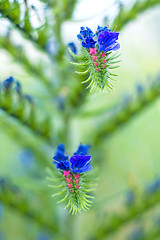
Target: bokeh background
122	126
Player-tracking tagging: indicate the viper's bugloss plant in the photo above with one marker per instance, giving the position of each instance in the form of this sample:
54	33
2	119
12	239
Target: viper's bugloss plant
96	56
73	178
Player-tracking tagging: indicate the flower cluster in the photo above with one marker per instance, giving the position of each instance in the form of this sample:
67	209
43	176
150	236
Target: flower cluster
153	186
73	178
106	40
79	162
86	37
97	57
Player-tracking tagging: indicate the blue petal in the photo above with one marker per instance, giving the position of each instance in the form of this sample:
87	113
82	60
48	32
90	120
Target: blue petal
59	156
113	47
82	150
64	165
101	29
73	46
79	161
79	36
86	36
8	82
107	41
61	147
86	168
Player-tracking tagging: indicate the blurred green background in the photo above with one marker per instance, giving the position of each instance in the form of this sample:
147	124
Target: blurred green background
127	158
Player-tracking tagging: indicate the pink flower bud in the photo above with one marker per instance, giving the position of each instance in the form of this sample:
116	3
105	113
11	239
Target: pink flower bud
66	173
68	180
76	181
104	60
96	63
103	55
97	69
94	58
92	51
76	175
104	66
71	190
77	186
69	185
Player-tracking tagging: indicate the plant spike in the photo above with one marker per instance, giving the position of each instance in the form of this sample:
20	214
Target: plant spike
74	182
96	57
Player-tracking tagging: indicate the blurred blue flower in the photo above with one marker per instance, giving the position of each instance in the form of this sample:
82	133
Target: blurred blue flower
61	147
26	157
126	99
8	82
2	182
137	234
51	46
158	220
1	210
29	98
80	163
2	235
72	47
130	198
43	236
82	149
154	186
107	41
86	37
18	87
60	100
139	88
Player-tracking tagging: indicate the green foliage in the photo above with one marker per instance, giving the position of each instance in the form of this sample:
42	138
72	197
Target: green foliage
125	16
127	108
63	110
143	203
14	198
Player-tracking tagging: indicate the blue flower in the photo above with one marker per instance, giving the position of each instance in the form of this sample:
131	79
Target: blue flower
61	147
84	33
18	87
60	159
72	47
154	186
137	234
29	98
86	37
60	156
63	165
107	41
26	157
82	150
8	82
43	236
80	163
130	198
139	88
1	210
101	29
